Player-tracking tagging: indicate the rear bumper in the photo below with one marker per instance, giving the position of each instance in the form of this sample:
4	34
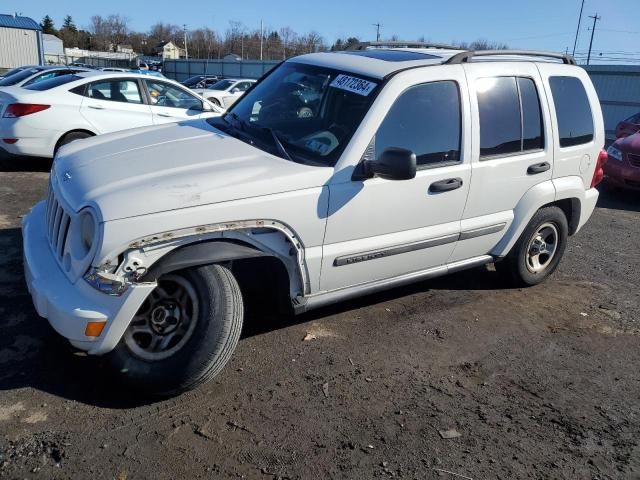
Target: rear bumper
32	141
68	306
587	206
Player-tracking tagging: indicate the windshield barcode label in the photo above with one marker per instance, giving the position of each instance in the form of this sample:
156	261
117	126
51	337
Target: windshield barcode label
353	84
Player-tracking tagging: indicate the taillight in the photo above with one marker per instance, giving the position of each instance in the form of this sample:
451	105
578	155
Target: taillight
598	173
21	109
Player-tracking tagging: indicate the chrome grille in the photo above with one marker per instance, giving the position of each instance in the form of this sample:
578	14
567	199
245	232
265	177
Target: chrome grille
58	221
634	159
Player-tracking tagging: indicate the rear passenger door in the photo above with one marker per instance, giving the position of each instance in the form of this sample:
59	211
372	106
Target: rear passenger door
512	149
115	104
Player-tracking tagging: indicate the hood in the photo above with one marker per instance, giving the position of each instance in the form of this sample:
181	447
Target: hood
630	144
173	166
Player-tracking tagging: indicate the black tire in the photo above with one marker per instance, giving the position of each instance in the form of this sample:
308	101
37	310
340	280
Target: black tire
209	347
215	101
71	137
518	267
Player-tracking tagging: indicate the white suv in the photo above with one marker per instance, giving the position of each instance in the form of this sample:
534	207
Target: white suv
338	174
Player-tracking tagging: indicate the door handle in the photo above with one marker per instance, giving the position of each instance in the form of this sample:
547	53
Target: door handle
445	185
538	168
164	115
96	107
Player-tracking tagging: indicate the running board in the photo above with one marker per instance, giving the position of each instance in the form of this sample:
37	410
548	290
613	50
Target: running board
323	299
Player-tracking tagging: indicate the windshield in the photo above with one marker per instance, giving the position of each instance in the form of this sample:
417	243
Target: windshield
221	85
53	82
18	77
302	112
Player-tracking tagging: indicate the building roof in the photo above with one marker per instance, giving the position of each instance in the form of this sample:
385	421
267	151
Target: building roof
16	21
47	37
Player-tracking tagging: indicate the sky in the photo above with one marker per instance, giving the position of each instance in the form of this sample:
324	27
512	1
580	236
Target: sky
531	24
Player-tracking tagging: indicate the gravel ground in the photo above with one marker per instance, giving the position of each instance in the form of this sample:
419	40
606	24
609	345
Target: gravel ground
455	378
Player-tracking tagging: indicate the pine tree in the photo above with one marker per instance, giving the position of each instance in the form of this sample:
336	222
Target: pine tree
68	24
47	25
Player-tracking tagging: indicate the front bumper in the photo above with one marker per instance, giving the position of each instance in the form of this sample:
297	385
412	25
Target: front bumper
622	174
69	306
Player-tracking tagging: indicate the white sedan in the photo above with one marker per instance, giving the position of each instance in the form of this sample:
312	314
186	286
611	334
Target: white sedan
39	119
226	92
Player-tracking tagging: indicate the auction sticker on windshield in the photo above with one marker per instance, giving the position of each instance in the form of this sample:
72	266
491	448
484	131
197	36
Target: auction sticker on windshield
353	84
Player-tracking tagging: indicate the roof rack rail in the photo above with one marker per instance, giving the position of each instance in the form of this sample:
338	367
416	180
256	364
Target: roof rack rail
399	44
467	56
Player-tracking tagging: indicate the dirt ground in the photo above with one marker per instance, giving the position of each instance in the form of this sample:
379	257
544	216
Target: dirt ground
455	378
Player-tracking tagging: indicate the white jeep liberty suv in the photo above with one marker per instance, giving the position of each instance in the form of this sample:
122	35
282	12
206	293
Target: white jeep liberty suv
338	174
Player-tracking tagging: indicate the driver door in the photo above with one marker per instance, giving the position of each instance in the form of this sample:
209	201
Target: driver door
379	229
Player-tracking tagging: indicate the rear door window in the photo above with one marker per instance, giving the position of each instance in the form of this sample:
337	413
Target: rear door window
510	116
125	91
575	120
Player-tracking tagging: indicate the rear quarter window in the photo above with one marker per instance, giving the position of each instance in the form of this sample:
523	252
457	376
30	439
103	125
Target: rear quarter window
575	119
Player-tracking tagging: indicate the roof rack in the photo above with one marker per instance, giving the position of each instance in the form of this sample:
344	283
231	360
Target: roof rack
467	56
399	44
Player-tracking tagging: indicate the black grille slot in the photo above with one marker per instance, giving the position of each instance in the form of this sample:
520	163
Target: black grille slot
634	159
58	222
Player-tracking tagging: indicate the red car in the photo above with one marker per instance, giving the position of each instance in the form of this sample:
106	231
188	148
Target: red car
623	167
629	126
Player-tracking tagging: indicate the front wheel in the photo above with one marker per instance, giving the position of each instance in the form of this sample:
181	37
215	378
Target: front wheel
184	333
539	249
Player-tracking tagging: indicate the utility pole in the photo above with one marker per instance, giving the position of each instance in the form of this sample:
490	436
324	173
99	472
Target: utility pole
377	25
186	51
261	37
575	42
593	31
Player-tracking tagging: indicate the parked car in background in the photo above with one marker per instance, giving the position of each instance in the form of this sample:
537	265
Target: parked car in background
32	75
225	92
629	126
16	70
38	119
151	73
84	65
114	69
201	81
623	167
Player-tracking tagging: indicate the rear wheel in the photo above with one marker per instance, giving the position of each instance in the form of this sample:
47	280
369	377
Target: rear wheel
184	333
71	137
215	101
538	251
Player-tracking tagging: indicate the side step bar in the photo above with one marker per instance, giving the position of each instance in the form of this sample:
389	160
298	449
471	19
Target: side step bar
334	296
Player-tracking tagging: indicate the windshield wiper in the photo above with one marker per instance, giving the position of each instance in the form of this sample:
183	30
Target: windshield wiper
277	142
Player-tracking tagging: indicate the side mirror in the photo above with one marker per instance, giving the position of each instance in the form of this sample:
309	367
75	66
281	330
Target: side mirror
393	164
235	90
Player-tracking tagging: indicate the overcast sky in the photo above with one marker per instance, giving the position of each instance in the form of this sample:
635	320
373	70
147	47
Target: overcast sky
533	24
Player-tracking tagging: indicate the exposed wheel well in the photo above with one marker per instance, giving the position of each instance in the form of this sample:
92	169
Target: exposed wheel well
571	209
265	281
62	137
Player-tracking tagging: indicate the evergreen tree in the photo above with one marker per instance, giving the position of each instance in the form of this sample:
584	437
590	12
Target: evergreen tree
47	25
68	24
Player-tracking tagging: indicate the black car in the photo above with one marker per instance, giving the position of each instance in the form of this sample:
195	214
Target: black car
201	81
